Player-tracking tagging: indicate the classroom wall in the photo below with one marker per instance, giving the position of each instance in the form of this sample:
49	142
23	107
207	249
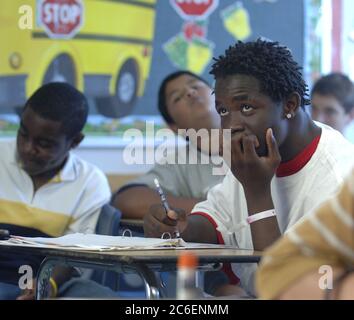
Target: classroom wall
156	36
279	20
250	19
110	160
179	41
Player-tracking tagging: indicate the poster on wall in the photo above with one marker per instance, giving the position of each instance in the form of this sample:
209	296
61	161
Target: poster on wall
117	52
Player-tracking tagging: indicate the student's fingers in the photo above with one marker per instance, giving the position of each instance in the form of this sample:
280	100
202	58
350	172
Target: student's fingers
172	215
236	148
156	222
172	219
176	214
250	143
149	228
237	156
150	222
158	212
154	228
182	215
224	141
272	145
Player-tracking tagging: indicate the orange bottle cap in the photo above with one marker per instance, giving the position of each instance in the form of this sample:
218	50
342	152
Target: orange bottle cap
187	259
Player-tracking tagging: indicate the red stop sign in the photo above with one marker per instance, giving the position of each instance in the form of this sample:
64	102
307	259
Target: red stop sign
60	18
194	9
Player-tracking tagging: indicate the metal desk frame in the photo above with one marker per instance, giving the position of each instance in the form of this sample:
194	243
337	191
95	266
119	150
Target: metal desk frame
144	262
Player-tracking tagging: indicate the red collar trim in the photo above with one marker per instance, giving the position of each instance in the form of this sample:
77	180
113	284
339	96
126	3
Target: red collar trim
295	165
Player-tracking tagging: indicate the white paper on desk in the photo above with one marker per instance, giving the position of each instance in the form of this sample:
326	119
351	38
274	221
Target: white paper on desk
98	242
197	245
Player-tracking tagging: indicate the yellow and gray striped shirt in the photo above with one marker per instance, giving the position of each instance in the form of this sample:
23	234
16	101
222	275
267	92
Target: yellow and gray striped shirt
325	237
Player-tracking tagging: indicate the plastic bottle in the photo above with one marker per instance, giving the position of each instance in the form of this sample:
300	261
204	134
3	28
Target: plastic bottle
186	277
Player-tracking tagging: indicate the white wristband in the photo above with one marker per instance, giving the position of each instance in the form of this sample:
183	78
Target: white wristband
261	215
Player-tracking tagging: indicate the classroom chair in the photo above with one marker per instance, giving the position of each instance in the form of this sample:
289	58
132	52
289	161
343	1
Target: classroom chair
108	224
127	285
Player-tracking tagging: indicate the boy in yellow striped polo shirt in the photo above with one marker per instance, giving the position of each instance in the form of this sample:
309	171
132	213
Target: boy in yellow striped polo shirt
315	259
45	189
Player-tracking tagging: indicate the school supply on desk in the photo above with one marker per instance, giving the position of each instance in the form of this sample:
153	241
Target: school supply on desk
162	195
94	242
164	202
187	277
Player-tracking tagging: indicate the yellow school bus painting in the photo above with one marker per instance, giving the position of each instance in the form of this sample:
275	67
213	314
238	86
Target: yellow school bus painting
103	47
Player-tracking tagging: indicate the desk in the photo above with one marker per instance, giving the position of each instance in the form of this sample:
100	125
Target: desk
144	262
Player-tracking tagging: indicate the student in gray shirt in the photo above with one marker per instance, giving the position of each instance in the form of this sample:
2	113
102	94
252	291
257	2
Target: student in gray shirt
186	102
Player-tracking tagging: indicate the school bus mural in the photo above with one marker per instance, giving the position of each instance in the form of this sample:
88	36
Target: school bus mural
103	47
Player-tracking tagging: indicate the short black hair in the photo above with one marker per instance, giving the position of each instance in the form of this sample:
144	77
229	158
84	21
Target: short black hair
267	61
337	85
60	102
162	105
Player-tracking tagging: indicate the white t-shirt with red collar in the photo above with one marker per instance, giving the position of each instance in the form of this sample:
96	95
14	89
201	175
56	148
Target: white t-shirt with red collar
298	187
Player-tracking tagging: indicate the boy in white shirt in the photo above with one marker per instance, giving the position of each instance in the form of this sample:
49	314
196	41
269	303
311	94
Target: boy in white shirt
283	164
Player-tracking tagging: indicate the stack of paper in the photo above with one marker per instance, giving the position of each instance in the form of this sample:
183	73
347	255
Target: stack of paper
81	241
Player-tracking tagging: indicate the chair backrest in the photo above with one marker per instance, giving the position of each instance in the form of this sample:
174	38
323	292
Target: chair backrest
108	221
107	224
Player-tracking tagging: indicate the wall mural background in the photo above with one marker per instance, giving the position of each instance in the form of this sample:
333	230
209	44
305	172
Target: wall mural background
118	52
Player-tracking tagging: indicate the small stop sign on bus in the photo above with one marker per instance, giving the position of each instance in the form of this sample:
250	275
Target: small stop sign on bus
194	9
60	18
